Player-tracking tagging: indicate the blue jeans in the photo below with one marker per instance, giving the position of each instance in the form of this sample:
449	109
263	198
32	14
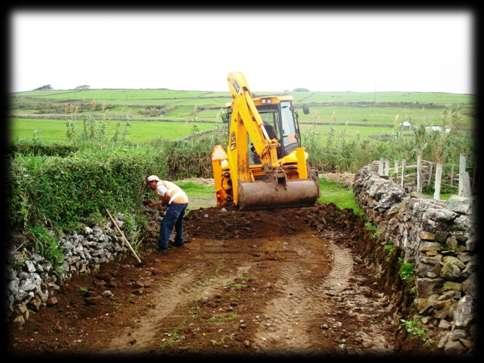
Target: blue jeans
173	218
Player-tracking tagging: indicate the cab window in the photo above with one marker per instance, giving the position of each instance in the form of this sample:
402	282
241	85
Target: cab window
288	125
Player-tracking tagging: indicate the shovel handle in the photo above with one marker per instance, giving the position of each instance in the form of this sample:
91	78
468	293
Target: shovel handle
123	236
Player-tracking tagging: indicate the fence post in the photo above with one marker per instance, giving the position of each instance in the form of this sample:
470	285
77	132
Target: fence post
431	171
438	179
395	171
419	176
386	165
462	169
403	173
466	185
380	167
452	175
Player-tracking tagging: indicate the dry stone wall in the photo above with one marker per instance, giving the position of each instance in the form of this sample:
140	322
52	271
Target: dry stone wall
439	239
32	281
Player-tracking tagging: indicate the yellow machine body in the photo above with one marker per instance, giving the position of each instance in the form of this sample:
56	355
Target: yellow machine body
264	164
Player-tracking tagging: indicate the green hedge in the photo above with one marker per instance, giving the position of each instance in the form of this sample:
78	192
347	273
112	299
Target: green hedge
34	148
191	157
64	192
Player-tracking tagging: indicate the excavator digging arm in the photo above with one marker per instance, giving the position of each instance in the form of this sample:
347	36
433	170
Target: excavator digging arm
246	118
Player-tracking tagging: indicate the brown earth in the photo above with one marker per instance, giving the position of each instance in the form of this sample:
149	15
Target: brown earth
287	280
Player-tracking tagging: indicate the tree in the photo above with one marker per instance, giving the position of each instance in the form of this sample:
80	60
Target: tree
44	87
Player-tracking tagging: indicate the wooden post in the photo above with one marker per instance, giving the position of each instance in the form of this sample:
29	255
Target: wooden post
395	171
403	173
386	165
419	175
430	174
466	185
438	179
380	167
452	175
462	169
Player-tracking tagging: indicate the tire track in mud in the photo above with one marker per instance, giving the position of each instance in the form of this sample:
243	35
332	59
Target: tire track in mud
334	312
356	318
187	286
287	317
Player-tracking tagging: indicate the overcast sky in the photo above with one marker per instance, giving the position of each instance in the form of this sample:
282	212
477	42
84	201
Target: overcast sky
318	50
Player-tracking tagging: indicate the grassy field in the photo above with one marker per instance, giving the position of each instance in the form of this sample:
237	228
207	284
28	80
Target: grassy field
339	194
153	96
51	131
374	115
350	131
341	107
149	110
421	97
200	195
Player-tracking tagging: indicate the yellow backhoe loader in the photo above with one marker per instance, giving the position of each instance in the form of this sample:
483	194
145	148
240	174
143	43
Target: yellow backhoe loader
265	165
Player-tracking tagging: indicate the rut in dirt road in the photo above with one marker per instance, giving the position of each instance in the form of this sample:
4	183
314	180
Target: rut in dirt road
356	316
296	321
286	318
169	293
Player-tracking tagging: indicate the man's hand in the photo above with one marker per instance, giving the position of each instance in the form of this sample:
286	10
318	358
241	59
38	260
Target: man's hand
165	199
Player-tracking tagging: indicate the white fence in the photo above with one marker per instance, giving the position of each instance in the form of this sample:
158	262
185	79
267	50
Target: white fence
415	176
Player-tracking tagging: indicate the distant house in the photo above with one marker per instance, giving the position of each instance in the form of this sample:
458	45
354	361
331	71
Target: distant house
405	125
436	128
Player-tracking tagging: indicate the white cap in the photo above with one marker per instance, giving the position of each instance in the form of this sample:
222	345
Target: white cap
152	177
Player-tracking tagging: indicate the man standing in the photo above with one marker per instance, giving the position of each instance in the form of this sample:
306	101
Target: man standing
177	201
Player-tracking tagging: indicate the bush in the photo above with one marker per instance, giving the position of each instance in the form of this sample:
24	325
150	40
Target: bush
44	87
406	271
36	148
45	244
65	192
414	327
191	157
389	248
336	151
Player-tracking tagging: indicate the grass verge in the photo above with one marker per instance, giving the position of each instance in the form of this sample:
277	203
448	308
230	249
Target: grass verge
339	194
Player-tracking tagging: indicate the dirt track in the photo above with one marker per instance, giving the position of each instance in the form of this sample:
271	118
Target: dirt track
260	281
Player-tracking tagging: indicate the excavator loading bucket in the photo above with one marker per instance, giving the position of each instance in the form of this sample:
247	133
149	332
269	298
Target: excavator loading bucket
265	195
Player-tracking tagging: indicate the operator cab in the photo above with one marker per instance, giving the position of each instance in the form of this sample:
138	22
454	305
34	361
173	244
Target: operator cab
280	122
